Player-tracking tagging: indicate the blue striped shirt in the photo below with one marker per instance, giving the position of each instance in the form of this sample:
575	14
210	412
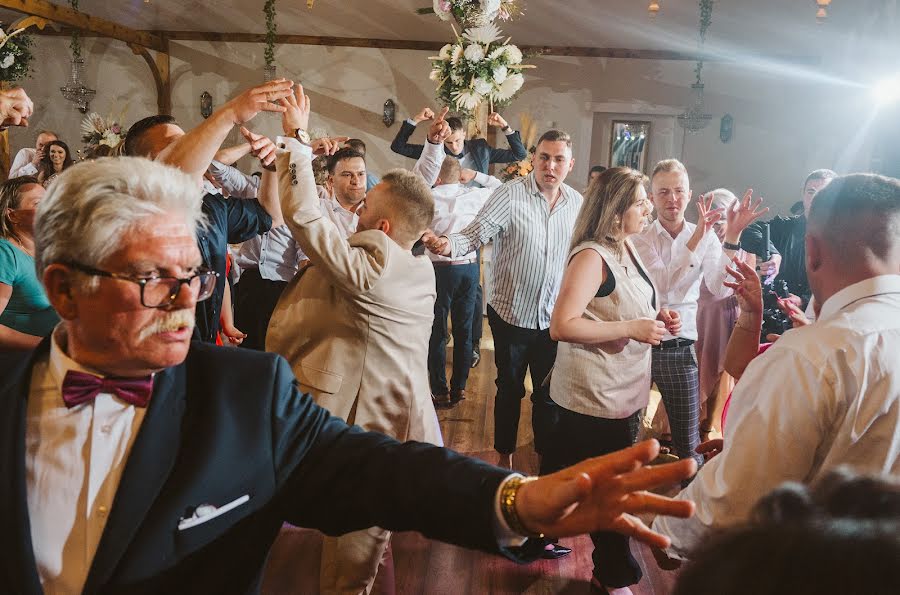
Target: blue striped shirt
530	248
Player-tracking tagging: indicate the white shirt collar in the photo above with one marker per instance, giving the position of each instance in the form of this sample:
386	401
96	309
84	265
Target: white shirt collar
60	363
863	289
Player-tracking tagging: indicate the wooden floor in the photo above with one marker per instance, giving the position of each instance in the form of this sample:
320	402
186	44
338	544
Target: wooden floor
430	567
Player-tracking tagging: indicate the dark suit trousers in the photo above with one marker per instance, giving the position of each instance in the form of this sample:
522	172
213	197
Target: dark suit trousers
578	437
477	316
515	350
456	293
254	301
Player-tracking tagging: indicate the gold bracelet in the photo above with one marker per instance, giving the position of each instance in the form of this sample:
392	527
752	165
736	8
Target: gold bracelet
508	492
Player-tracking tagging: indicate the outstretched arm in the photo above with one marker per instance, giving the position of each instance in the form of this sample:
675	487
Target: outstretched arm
194	151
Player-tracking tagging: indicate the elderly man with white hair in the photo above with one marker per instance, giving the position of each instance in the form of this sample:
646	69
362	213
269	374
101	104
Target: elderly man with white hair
137	461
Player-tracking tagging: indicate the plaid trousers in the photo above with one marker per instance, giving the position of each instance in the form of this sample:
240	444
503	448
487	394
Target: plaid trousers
674	372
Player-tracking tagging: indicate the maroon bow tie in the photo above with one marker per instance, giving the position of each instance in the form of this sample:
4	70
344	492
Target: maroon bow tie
78	388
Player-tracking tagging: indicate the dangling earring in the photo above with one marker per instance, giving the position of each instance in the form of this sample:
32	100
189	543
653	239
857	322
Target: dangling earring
618	221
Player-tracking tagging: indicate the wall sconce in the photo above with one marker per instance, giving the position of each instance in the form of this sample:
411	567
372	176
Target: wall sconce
389	112
206	107
726	128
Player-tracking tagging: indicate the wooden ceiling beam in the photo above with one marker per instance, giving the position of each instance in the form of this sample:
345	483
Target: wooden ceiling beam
434	46
64	15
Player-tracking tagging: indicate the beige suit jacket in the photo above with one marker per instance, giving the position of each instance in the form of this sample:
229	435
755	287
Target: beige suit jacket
354	324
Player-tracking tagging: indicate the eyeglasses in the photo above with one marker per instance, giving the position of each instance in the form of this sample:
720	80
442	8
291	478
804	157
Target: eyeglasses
159	292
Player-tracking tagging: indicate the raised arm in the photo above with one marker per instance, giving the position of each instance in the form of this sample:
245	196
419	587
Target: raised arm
401	144
353	269
193	151
743	345
516	150
428	166
230	155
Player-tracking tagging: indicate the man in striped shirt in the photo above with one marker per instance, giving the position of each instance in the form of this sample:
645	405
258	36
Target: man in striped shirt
530	221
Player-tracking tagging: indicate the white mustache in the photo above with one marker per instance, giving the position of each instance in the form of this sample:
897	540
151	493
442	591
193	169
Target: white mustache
172	321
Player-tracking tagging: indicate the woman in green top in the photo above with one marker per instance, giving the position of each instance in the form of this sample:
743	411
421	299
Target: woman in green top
25	314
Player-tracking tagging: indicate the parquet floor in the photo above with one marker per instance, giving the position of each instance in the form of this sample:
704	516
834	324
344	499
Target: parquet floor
427	567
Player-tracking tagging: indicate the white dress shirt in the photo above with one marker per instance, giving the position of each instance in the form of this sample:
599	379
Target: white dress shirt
676	271
74	461
531	244
274	253
22	165
823	395
233	181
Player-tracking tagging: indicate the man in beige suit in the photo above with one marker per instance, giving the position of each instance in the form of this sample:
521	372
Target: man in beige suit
355	324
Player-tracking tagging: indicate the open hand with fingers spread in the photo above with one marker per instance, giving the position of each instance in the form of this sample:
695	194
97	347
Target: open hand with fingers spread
746	286
261	98
296	107
708	217
741	214
604	494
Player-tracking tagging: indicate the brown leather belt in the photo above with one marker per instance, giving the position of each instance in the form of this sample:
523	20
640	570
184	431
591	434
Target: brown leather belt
450	263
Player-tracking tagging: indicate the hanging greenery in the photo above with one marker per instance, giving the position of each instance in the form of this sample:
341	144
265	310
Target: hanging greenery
271	30
75	43
706	7
15	55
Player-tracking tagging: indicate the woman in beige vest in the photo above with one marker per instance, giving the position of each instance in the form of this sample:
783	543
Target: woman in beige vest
605	320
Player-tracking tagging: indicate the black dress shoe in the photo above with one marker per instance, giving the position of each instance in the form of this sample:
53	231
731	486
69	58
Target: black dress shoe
441	400
557	552
457	395
476	357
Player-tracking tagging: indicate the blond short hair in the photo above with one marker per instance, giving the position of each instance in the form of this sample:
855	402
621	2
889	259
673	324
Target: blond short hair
410	202
668	166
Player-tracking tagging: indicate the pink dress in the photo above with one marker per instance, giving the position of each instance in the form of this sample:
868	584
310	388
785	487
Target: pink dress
716	318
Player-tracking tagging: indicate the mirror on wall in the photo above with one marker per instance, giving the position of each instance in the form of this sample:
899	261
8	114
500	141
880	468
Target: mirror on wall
629	144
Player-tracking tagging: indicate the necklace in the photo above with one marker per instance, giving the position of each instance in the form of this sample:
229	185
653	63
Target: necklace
22	247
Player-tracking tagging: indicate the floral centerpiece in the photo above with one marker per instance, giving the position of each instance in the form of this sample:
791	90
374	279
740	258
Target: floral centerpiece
15	55
477	68
474	12
98	132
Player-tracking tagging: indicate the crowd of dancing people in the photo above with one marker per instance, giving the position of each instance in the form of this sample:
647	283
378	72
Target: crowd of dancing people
119	276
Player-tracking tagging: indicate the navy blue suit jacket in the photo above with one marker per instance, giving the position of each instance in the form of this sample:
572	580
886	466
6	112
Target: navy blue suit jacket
228	423
481	152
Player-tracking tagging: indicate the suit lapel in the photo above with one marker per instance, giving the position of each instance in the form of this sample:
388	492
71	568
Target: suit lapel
149	465
15	528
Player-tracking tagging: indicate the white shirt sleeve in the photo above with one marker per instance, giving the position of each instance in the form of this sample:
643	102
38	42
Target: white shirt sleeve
715	259
428	166
774	435
487	181
22	165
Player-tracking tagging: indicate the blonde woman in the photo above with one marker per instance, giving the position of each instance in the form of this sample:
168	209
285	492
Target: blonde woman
605	320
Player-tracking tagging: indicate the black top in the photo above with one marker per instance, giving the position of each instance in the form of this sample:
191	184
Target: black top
609	285
788	236
229	221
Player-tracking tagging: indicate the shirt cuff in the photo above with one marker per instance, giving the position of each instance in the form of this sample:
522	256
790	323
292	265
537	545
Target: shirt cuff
287	143
506	537
510	132
411	122
482	178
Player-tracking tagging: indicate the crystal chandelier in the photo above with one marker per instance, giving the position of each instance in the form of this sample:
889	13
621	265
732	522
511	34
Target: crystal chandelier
695	117
75	90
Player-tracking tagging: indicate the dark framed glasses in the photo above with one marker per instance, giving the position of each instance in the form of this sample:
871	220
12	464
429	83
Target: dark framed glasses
160	292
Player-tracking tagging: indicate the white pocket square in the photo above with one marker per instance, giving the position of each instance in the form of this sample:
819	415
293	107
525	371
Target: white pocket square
207	512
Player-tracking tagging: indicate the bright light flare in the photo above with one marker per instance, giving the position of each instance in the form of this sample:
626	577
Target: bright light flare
887	91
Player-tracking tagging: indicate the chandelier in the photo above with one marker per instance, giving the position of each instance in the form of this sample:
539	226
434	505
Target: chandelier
75	90
695	117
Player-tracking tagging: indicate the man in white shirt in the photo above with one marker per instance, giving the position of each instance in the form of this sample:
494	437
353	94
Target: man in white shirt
823	395
28	159
456	279
678	254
